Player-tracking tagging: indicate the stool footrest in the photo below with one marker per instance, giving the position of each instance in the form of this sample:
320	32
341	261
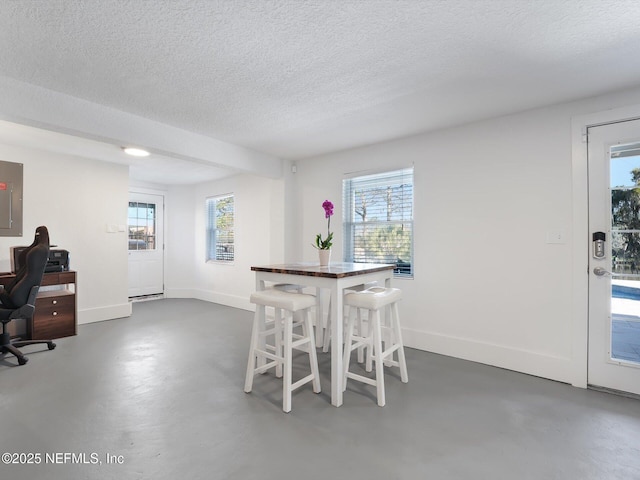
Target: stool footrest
357	345
389	351
270	331
361	378
266	366
300	342
301	382
272	356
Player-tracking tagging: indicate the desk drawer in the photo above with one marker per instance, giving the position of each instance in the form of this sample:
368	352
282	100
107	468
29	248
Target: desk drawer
54	316
58	278
53	327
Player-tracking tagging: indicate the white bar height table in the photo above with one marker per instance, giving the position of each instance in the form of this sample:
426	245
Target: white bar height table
335	277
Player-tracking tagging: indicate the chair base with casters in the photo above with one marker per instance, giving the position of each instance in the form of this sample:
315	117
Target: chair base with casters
26	313
374	300
263	356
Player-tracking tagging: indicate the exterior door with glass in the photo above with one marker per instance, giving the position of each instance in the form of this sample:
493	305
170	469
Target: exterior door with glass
614	265
146	244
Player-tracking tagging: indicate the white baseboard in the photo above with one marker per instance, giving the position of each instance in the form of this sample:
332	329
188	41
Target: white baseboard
532	363
214	297
224	299
91	315
179	293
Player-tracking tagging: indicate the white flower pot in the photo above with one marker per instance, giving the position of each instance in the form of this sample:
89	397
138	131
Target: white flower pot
325	257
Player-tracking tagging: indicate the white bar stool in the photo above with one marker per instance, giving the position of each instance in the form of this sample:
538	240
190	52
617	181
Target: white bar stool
281	352
292	287
375	299
359	326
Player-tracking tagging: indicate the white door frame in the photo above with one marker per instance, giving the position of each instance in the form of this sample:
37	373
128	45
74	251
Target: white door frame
605	369
581	241
163	193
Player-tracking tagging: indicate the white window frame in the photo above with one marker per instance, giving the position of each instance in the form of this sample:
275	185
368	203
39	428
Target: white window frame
217	250
388	179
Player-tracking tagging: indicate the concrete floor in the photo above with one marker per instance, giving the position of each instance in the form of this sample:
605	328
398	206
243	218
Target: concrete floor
160	393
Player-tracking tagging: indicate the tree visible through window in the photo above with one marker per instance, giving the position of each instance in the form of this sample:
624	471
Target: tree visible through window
378	219
220	220
625	241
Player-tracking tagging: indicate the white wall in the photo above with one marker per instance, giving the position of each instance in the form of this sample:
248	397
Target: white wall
179	268
259	237
76	198
487	286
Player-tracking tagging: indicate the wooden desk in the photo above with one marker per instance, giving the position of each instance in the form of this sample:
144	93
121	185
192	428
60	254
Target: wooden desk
335	277
56	309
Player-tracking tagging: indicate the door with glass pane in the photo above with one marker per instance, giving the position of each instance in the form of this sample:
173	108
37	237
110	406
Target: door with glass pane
614	265
146	244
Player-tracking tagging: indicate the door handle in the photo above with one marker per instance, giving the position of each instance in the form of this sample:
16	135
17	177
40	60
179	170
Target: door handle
600	272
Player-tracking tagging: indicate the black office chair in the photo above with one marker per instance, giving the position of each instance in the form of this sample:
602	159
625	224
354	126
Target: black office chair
18	299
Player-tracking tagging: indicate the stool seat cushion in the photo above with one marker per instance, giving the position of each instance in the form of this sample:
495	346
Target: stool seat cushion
373	298
285	300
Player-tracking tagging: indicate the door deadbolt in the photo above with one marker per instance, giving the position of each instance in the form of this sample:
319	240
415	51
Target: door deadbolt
598	244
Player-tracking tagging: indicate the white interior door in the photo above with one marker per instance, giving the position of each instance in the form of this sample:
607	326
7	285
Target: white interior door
146	244
614	266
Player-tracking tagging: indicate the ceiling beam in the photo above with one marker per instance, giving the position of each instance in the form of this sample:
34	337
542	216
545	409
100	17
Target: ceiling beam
42	108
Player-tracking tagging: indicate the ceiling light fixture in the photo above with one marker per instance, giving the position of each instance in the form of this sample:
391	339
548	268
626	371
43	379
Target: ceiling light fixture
135	152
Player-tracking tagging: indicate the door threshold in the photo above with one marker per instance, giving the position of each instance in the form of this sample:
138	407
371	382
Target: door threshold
146	298
620	393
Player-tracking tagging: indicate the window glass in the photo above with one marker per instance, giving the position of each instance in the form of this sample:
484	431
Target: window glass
625	211
378	219
220	228
142	226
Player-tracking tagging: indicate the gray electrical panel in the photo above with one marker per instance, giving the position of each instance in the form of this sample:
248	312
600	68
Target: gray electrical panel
10	199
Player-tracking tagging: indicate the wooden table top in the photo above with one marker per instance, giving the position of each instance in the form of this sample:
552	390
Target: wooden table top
333	270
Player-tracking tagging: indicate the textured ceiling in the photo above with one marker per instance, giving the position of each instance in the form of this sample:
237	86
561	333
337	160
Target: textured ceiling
297	78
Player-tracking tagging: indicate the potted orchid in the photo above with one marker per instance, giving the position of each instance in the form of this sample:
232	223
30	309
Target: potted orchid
327	242
324	246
